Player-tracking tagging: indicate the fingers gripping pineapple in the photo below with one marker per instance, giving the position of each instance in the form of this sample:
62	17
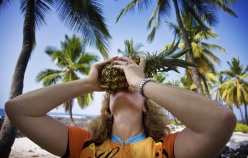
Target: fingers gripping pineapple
113	80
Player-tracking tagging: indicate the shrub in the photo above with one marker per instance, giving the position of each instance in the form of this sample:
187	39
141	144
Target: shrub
241	128
174	123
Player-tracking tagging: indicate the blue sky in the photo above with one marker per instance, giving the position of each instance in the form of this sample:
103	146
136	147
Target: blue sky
232	31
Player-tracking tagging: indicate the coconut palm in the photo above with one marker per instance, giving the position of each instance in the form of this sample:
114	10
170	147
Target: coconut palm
84	17
131	49
218	90
209	81
160	76
235	87
187	83
71	59
204	58
196	9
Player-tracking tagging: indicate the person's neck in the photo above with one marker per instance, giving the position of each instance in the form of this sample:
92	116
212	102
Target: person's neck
127	125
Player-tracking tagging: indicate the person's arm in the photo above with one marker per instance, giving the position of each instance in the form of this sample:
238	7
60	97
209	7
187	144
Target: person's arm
28	111
209	125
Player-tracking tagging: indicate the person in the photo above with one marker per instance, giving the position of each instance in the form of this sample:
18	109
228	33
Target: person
128	125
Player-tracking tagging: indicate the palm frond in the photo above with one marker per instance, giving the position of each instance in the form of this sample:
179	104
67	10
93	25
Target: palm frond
74	47
229	74
245	70
85	17
49	76
152	18
243	76
175	28
85	100
211	56
151	35
60	59
4	4
131	49
131	6
39	8
163	11
197	49
88	58
214	47
69	75
128	8
189	10
223	4
200	9
204	33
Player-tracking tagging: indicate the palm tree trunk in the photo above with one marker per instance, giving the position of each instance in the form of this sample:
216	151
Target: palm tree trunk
70	112
7	137
245	104
205	85
195	74
8	131
241	114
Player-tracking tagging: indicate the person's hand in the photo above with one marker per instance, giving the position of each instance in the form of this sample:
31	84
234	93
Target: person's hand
95	71
134	73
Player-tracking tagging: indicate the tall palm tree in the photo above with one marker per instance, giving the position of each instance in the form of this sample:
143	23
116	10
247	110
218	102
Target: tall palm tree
235	87
84	17
71	59
204	58
131	49
197	9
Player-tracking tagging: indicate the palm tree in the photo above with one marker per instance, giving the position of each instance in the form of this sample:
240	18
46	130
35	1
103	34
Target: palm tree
131	49
195	9
160	76
235	87
84	17
70	59
218	90
209	81
187	83
204	58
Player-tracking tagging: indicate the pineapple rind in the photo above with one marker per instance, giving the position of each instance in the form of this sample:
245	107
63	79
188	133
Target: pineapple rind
113	80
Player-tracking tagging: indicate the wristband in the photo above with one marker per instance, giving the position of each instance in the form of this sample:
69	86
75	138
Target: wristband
143	83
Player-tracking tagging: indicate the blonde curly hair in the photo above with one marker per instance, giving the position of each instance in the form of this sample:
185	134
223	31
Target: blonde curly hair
155	121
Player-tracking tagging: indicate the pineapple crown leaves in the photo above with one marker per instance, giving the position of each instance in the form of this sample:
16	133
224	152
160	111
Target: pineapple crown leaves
167	60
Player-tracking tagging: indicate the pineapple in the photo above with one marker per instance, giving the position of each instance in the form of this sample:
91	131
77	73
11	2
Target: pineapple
113	80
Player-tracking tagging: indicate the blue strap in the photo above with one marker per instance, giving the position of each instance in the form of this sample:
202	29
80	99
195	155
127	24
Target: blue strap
134	139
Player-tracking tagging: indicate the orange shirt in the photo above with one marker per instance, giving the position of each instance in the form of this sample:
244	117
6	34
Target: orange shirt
82	146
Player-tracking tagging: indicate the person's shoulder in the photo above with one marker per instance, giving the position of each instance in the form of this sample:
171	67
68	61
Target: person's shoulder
77	128
79	131
169	136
